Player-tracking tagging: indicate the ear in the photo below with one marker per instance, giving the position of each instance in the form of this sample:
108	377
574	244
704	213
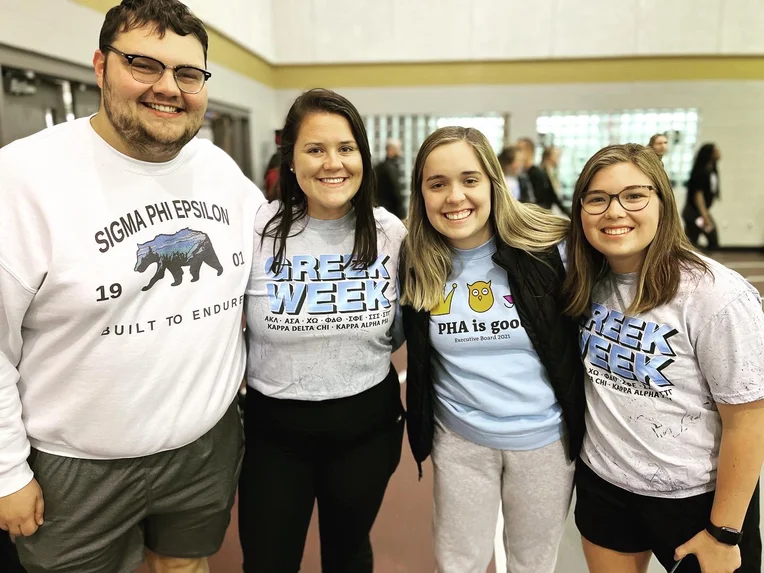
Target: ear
489	283
99	65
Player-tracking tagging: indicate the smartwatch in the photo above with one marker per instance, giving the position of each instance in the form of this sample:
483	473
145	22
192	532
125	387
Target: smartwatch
726	535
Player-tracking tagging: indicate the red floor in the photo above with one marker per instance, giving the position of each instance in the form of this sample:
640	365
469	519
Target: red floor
401	535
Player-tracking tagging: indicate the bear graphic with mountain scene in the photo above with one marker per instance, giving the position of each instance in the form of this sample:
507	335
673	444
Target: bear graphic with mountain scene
173	252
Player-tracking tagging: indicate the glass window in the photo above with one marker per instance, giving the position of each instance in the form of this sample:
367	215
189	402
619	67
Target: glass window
412	130
579	135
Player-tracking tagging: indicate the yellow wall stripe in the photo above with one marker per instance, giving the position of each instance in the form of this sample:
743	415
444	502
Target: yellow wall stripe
522	72
227	52
222	50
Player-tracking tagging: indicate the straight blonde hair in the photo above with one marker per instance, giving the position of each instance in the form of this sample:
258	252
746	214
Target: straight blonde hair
427	255
667	255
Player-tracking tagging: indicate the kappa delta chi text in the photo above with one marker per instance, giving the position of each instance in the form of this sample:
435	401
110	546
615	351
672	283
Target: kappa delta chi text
328	284
628	348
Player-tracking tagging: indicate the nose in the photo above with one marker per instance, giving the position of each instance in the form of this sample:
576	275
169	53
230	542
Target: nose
615	210
166	84
456	195
332	162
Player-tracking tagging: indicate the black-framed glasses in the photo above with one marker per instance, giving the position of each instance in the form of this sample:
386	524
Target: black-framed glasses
631	198
147	70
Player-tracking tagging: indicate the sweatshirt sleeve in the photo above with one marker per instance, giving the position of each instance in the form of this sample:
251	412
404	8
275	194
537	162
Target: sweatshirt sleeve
14	445
24	254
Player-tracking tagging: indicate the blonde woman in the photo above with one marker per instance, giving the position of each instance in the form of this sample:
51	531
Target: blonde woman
494	381
673	347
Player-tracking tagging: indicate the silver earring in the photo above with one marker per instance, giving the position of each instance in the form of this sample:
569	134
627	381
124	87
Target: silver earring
291	169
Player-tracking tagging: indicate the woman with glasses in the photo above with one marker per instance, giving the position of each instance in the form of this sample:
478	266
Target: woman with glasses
673	349
494	384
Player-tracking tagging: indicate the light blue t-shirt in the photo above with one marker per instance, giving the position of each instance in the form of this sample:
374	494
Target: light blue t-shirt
490	385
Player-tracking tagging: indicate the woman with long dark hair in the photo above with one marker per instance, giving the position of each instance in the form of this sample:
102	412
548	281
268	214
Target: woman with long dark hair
702	191
323	417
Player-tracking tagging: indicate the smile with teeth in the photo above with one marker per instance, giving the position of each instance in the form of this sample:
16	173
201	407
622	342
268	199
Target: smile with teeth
332	180
162	108
458	215
617	231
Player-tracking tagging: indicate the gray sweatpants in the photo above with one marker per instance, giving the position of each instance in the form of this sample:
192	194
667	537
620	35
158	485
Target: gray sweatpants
534	488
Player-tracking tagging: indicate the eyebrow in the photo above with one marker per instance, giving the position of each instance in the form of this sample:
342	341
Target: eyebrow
348	142
144	55
627	188
432	177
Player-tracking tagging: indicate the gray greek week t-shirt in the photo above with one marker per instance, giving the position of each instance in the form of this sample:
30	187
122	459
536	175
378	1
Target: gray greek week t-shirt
319	329
653	380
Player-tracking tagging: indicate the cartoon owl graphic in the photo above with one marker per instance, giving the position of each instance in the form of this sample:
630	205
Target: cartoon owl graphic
481	296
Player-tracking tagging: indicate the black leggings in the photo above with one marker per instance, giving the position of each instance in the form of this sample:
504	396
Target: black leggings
9	558
340	453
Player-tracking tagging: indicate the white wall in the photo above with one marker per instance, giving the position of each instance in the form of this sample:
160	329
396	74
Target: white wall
58	28
66	30
731	115
248	22
307	31
341	31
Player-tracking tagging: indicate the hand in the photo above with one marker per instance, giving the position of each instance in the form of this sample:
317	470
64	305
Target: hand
708	225
714	557
21	512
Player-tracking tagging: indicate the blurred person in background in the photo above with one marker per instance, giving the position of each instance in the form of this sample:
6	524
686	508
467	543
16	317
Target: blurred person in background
550	162
511	160
272	170
544	193
702	192
660	144
388	173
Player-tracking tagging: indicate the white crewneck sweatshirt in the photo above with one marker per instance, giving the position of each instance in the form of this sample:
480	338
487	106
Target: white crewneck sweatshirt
121	291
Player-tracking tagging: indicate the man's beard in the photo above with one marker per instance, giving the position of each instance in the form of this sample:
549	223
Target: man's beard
137	137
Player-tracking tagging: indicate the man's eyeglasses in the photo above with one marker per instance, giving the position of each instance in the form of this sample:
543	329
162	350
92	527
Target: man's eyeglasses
632	198
147	70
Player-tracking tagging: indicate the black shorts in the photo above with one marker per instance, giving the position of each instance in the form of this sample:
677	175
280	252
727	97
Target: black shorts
616	519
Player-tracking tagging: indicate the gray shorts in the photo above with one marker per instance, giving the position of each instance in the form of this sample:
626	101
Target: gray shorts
100	514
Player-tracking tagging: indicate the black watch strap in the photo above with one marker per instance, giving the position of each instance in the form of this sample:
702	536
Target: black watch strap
726	535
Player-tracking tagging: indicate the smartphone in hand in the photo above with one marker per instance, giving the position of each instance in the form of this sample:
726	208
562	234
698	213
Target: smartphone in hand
676	566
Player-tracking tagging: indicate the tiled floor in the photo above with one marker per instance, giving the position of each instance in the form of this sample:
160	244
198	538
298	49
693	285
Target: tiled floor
401	535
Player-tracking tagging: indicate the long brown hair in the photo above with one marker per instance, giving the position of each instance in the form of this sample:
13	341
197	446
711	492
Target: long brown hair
667	255
428	254
294	203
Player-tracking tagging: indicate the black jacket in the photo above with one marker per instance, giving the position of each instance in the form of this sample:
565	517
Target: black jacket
535	285
544	194
389	193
